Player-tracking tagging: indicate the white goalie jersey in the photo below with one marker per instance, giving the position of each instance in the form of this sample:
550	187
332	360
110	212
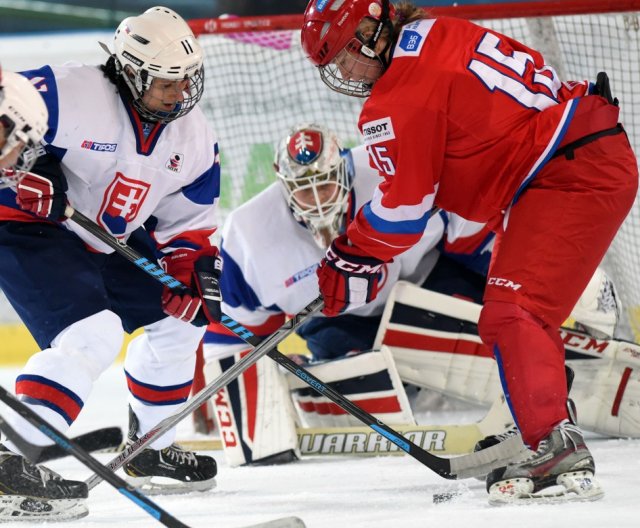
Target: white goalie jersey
269	271
270	259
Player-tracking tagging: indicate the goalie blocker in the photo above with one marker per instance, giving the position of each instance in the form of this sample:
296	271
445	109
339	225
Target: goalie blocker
434	341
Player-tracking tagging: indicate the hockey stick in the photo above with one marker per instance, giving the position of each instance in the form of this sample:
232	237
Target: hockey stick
448	439
205	394
478	463
261	346
465	466
73	449
98	440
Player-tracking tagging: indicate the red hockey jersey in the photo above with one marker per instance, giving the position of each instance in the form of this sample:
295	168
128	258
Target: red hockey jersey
463	119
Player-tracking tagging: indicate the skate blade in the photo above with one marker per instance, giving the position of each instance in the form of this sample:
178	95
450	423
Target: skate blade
168	486
17	508
578	486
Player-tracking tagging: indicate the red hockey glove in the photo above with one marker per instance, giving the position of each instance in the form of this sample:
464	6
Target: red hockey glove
199	302
347	277
44	196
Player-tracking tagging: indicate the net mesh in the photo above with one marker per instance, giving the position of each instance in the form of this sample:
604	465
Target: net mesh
259	85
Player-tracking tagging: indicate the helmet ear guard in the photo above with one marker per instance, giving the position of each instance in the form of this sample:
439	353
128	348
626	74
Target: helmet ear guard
158	44
316	180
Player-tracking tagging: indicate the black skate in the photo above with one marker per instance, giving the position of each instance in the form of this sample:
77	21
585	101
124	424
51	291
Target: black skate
169	470
561	470
37	494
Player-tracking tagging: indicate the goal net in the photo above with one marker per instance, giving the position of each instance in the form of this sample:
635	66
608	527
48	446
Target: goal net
259	85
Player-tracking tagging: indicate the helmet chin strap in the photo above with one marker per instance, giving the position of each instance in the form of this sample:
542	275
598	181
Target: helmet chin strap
384	21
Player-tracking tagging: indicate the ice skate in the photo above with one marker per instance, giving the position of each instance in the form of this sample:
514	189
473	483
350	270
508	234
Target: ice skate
171	470
561	470
36	494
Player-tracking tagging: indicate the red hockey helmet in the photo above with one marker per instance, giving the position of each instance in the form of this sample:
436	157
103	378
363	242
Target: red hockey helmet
329	25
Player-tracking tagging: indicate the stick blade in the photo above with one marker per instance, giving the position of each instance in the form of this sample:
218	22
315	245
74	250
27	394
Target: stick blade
108	438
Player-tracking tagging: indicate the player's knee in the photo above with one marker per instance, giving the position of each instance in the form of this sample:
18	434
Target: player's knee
496	315
174	339
95	340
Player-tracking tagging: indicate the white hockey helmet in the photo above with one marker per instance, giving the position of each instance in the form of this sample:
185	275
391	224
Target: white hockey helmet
316	180
23	116
159	44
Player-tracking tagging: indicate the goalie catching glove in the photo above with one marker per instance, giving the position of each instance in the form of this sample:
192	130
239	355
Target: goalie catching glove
347	277
199	302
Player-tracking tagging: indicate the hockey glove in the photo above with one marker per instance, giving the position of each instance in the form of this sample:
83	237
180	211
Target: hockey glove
44	196
347	277
199	302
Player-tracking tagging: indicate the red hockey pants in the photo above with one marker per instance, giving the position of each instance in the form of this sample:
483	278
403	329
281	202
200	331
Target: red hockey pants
555	237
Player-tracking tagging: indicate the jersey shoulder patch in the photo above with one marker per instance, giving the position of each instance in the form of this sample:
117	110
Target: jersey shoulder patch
412	38
378	131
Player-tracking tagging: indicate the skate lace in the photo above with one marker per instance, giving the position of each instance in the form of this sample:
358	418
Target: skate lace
564	428
511	431
179	456
45	474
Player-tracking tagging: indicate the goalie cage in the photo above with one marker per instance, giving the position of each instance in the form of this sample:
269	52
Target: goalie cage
259	85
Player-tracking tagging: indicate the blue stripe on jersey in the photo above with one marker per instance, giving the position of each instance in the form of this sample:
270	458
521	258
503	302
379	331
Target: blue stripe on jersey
404	227
573	104
206	188
45	82
235	289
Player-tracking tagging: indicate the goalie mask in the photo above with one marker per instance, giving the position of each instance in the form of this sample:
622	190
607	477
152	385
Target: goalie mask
316	180
23	115
331	39
159	45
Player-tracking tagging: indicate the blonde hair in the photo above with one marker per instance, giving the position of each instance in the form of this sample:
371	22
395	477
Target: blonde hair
407	12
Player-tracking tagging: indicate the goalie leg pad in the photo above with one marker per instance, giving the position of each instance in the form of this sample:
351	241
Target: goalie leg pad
254	414
435	343
369	379
606	394
598	309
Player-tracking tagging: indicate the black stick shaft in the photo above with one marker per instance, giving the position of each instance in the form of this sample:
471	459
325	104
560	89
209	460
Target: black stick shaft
94	465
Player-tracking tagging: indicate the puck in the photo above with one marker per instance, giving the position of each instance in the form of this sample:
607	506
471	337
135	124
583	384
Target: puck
439	498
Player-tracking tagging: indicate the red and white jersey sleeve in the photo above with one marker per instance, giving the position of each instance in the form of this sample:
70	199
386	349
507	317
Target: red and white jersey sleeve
463	118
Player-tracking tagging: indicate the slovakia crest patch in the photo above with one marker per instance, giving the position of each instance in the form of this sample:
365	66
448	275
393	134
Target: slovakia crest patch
305	146
121	203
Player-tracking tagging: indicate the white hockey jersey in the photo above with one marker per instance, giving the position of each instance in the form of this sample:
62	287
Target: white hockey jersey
270	260
120	171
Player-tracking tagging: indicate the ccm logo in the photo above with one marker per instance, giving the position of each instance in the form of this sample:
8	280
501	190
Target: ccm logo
351	267
506	283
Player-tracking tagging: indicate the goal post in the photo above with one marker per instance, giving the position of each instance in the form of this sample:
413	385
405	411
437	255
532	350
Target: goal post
259	84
